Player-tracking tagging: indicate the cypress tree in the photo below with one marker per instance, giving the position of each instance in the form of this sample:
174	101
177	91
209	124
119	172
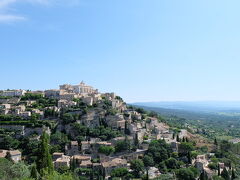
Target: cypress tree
178	139
44	160
73	164
173	137
183	139
215	142
126	131
233	174
136	142
203	176
127	143
219	172
92	174
225	174
147	175
34	173
189	157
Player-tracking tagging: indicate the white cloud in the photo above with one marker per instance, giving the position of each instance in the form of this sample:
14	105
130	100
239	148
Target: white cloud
7	16
5	3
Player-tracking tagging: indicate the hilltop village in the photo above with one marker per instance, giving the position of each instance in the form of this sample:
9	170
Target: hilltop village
93	135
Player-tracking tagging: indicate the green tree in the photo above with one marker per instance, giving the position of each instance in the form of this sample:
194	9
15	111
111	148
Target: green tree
136	141
233	174
59	139
9	142
173	136
67	118
20	170
5	166
34	172
172	163
215	142
162	167
107	150
122	146
73	164
183	139
215	177
126	130
44	160
56	176
213	166
159	150
83	172
189	157
119	172
185	148
138	167
219	170
225	174
178	139
148	161
185	174
203	176
165	177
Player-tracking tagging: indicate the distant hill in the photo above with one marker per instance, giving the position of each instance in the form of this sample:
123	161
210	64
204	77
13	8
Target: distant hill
214	118
199	106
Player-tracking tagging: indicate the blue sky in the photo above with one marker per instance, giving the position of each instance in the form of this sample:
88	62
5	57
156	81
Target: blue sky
144	50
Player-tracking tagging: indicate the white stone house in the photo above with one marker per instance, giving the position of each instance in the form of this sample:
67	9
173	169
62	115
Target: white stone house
12	93
15	155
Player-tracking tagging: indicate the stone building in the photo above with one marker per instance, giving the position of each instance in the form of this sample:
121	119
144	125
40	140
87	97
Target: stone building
52	93
37	111
82	88
62	161
85	146
80	158
201	162
15	155
108	166
72	148
115	121
88	100
12	93
5	108
57	155
67	96
66	87
63	103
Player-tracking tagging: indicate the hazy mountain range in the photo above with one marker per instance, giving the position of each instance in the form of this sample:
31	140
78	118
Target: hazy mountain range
200	106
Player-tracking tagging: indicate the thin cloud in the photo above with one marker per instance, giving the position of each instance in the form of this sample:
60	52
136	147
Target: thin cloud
5	3
7	16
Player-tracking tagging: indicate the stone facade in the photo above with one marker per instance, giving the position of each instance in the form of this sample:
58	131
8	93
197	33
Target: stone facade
12	93
108	166
72	148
